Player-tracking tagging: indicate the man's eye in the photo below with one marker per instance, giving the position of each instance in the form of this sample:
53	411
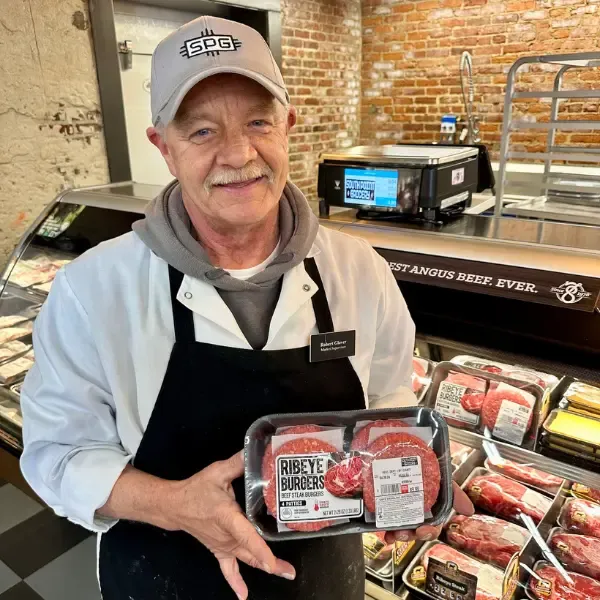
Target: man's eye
202	133
259	123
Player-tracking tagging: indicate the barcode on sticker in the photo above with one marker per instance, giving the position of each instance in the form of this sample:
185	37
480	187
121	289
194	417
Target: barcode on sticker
390	488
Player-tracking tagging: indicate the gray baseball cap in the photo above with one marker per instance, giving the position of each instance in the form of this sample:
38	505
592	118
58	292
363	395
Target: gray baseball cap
204	47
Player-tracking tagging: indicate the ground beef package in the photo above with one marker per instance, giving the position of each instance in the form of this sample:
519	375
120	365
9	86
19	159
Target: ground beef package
488	402
320	474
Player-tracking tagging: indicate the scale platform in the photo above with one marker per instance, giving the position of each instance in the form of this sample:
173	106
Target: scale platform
551	210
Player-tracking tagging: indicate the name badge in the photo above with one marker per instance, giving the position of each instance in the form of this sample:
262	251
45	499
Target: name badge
329	346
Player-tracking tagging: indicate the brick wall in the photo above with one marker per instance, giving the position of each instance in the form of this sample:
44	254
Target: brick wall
410	68
321	42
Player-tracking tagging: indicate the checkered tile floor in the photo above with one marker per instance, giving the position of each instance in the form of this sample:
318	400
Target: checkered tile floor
43	557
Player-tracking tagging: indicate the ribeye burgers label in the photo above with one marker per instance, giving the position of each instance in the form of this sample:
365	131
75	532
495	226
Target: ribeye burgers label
399	491
301	492
448	403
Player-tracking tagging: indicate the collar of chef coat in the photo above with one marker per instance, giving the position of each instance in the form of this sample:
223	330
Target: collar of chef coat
203	299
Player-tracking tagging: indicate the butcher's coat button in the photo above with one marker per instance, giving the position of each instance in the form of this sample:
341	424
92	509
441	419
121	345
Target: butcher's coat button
306	287
188	295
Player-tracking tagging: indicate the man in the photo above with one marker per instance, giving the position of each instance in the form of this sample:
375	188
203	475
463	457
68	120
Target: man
157	350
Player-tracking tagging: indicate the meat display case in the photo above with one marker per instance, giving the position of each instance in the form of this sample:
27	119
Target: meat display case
523	292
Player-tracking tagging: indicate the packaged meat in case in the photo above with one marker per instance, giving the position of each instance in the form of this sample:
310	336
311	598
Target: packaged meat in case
494	405
459	453
318	474
486	538
579	553
548	583
587	493
582	398
440	572
580	516
526	474
421	376
504	497
544	380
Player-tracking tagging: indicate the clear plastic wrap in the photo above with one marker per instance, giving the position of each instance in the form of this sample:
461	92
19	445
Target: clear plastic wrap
544	380
421	376
547	583
319	474
459	453
580	516
587	493
550	484
578	553
486	538
457	570
504	497
498	407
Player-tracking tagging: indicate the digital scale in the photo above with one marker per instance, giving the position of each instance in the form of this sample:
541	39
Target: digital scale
415	181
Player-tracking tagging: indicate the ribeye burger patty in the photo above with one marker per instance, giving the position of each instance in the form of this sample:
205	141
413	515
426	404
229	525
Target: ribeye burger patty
303	445
361	437
487	538
507	498
397	445
493	402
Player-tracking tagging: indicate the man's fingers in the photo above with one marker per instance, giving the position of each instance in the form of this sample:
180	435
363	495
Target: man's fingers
427	532
282	568
462	502
231	572
232	468
403	535
248	539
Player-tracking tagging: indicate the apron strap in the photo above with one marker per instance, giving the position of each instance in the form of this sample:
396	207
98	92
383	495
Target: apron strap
183	317
319	300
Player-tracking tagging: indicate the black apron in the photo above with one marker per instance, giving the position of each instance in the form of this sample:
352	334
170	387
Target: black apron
209	397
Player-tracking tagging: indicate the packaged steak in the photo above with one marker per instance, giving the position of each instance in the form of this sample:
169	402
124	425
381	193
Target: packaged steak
487	538
12	350
580	516
421	376
525	474
441	569
11	320
349	472
579	553
459	453
494	405
16	369
548	583
587	493
544	380
505	498
10	334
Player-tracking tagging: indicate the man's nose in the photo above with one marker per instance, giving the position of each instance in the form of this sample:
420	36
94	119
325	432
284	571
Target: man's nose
236	150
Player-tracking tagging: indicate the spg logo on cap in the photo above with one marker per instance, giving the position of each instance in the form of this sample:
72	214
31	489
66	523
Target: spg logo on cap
210	43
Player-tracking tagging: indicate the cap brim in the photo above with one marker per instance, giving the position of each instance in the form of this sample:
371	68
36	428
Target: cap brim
169	110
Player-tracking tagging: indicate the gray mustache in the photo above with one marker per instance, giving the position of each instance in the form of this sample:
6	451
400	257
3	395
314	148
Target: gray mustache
238	175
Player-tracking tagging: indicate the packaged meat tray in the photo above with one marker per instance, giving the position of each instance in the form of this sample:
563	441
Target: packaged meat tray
10	334
385	561
439	570
493	405
321	474
504	497
488	539
459	453
583	491
573	431
11	350
421	376
580	516
11	320
579	553
582	398
16	369
544	380
545	482
547	583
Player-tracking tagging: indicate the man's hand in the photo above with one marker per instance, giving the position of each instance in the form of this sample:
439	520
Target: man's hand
462	505
204	506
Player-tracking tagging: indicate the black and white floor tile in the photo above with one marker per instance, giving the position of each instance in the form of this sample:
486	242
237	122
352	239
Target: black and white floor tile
43	557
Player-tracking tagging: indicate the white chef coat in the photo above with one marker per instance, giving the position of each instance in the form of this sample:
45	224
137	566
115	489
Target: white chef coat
104	336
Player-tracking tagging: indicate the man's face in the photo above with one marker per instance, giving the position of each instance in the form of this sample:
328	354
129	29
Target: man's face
228	147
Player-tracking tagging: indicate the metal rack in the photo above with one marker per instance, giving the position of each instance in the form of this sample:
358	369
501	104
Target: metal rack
544	207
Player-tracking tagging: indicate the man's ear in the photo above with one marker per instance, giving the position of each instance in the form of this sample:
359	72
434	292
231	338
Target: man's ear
292	117
158	139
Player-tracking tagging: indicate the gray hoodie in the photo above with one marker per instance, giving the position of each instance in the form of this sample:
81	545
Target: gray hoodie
167	231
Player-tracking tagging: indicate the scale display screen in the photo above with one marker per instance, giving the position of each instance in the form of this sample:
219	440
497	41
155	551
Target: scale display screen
371	187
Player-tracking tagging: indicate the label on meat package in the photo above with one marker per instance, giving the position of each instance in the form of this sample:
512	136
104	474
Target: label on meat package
512	421
448	403
445	580
301	493
398	486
